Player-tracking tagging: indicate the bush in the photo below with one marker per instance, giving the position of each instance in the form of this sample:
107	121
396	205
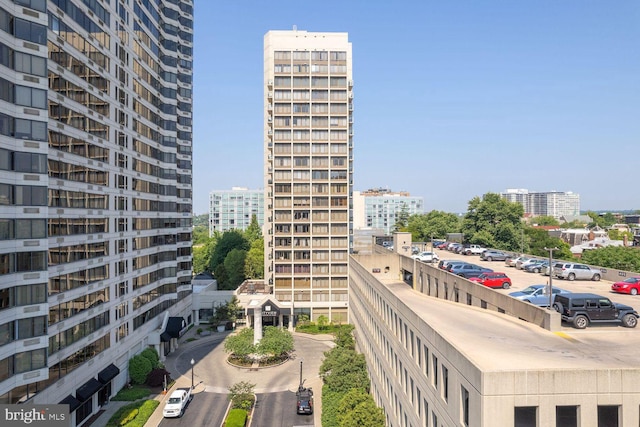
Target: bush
131	394
156	377
241	395
151	354
139	368
236	418
129	417
144	413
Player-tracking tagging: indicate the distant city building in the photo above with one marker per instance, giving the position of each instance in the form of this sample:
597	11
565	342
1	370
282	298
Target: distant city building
546	203
380	208
233	209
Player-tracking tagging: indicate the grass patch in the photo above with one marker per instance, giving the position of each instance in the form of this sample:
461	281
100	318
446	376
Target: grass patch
131	394
135	414
236	418
191	339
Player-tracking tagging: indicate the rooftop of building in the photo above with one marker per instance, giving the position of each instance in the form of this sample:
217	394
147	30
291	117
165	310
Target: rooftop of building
497	342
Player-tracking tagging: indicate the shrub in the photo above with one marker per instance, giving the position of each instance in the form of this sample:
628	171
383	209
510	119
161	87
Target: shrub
156	377
151	354
241	395
236	418
139	368
143	410
129	417
199	331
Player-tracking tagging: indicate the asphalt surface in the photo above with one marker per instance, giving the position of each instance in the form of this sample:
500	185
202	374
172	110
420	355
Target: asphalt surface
521	279
274	387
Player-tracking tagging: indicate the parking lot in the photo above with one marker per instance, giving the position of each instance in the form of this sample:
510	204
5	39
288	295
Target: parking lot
521	279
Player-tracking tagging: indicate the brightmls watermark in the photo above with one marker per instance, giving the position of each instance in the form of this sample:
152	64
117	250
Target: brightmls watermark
35	415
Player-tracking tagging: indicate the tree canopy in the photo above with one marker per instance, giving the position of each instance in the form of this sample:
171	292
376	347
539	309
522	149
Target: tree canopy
435	223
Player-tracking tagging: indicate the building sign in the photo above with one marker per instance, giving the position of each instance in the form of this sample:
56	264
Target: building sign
268	312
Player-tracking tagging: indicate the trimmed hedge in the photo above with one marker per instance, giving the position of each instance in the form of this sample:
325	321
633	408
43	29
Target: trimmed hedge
134	414
236	418
131	394
151	354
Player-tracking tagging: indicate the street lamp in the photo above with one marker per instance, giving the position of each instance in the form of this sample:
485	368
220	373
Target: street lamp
550	275
192	363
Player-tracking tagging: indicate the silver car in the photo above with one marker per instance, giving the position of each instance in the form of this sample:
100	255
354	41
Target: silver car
537	294
571	271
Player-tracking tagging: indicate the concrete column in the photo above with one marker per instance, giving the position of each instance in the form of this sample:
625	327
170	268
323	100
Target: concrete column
257	325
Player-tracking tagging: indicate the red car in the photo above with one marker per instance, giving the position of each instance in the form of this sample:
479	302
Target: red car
493	280
627	286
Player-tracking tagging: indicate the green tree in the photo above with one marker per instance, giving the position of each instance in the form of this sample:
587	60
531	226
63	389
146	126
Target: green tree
200	234
365	414
221	276
545	220
230	240
240	344
434	223
494	222
201	220
254	262
152	355
139	368
402	218
275	341
253	231
234	266
538	239
343	337
241	395
349	401
617	257
323	322
344	369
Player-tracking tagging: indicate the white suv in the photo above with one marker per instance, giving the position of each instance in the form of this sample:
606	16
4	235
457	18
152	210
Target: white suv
571	271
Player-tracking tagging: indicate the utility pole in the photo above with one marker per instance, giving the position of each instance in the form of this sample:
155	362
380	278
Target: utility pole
550	275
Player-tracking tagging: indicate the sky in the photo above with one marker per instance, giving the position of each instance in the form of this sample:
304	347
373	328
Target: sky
452	99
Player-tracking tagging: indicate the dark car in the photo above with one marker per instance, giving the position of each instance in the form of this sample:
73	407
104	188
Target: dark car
451	264
469	270
581	309
493	256
304	401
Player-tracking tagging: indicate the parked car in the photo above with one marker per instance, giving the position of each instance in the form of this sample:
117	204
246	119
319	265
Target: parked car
536	268
571	271
511	262
583	308
442	245
493	280
304	397
521	260
454	263
178	401
630	285
538	294
521	265
490	255
458	249
473	250
469	270
426	257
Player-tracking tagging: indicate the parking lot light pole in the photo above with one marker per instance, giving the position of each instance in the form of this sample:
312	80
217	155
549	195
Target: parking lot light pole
192	363
550	275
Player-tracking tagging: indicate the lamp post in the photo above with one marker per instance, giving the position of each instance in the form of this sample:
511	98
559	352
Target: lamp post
550	275
193	362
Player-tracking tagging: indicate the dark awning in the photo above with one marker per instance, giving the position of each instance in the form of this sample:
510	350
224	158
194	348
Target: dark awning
165	337
72	402
174	326
88	389
108	373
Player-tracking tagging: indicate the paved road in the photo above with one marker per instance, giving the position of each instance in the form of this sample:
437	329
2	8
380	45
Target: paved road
275	387
521	279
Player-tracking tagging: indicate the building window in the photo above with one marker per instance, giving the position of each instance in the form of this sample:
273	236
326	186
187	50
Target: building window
435	371
525	416
566	416
445	383
464	405
608	416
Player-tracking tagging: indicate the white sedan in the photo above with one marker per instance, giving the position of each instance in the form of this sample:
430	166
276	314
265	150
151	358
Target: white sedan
426	257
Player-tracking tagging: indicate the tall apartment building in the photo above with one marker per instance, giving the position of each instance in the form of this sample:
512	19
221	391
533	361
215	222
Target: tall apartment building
95	193
549	203
308	133
233	209
381	208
